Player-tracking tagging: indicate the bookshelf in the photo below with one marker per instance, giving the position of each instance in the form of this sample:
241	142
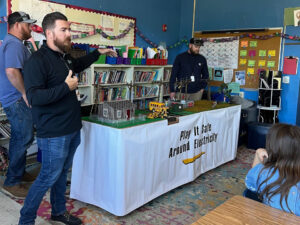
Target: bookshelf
138	83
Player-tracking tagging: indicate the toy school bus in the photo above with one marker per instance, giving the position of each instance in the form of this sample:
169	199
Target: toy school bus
158	110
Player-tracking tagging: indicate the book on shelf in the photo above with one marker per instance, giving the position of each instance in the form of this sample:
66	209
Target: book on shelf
143	91
167	75
111	94
83	78
110	77
145	76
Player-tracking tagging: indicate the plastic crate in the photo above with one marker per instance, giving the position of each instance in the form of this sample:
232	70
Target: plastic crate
143	62
136	61
126	61
101	59
111	60
150	62
119	60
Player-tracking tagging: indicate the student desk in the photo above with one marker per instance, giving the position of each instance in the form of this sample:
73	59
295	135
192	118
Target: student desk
120	170
240	210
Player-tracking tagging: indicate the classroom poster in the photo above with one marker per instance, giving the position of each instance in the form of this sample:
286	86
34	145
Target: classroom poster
234	87
228	75
218	74
240	77
221	54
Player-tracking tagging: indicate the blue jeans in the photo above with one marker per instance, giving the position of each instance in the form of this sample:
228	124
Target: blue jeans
20	119
57	158
252	195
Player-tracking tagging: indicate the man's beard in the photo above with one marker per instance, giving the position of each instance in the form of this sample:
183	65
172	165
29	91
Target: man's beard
64	46
26	35
193	52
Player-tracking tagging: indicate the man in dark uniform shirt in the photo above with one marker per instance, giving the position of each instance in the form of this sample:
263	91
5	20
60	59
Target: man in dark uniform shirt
190	69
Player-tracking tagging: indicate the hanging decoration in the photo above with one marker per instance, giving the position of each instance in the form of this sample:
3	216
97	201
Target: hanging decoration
122	35
252	36
145	38
177	44
3	19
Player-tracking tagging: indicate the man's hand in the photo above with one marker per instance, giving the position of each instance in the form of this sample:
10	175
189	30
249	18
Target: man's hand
72	82
108	52
172	95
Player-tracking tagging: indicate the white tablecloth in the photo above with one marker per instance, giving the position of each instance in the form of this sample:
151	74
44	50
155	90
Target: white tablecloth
120	170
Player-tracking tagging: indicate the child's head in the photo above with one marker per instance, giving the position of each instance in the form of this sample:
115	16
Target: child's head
283	147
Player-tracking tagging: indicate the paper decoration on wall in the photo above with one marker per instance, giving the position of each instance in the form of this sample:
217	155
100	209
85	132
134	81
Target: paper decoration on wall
3	19
253	44
253	36
271	64
290	65
250	71
251	63
177	44
228	75
243	53
262	53
244	44
243	61
81	30
222	55
218	74
252	53
234	87
296	18
110	29
240	77
259	70
261	62
272	53
113	26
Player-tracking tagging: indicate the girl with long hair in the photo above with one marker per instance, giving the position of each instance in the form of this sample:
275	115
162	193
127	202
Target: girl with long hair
275	173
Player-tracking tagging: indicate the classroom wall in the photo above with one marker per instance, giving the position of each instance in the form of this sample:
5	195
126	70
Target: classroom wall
290	92
150	15
2	13
237	14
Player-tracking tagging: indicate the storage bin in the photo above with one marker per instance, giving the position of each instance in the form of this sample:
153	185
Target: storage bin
111	60
143	62
101	59
126	61
150	61
119	60
136	61
257	134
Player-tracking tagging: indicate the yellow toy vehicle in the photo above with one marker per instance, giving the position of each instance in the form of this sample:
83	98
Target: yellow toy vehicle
158	110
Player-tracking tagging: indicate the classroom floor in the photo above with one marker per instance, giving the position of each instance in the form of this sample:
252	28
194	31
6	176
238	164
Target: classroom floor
183	205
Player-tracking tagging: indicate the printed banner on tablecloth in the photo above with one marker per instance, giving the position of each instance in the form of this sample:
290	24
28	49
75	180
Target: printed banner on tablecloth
119	170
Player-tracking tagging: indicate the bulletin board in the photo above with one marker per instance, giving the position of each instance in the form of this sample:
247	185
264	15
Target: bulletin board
115	29
258	50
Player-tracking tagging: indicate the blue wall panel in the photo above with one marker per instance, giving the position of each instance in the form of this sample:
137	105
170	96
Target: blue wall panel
290	92
3	27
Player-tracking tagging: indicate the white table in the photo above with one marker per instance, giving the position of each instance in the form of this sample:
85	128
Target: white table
120	170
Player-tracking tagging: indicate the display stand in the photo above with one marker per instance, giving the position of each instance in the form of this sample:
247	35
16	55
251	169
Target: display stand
269	102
